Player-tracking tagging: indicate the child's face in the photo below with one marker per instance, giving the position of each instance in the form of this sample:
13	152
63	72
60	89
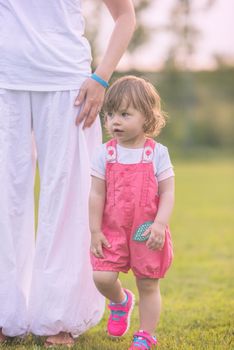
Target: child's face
127	126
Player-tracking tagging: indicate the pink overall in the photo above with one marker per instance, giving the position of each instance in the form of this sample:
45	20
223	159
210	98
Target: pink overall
131	200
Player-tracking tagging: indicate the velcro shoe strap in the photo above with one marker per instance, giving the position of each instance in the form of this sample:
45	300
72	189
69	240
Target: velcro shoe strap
118	307
146	336
139	345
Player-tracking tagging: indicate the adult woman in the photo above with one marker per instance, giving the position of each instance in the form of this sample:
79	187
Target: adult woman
42	73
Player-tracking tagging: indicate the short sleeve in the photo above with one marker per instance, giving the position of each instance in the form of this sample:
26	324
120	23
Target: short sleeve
162	162
98	163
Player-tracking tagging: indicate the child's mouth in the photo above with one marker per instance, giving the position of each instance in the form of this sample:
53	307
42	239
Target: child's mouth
117	130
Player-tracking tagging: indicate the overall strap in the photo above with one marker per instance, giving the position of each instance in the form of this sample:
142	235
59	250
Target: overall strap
111	151
148	151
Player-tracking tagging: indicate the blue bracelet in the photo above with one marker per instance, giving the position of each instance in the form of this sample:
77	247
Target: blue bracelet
100	80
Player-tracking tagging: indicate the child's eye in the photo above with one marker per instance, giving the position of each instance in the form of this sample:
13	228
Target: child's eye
125	114
109	114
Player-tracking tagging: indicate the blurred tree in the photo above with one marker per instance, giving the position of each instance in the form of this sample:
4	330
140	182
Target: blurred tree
222	61
143	30
180	27
185	35
183	31
93	9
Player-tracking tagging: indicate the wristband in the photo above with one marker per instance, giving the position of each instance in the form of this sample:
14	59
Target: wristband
100	80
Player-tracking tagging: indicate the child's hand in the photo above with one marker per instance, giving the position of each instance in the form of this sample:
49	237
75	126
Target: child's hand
97	241
157	236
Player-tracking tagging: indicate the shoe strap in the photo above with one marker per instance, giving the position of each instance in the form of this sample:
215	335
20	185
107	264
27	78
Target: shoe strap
118	307
151	340
141	344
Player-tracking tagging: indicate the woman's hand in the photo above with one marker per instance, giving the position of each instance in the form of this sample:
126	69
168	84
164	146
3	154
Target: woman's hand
98	240
157	236
90	98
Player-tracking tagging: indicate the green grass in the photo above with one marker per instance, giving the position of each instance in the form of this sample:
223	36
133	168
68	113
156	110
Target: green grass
198	304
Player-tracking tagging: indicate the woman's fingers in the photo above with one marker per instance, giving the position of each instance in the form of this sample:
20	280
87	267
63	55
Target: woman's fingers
90	98
80	97
90	117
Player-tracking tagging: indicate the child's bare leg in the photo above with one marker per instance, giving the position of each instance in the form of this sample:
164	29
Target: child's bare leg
109	285
121	302
149	304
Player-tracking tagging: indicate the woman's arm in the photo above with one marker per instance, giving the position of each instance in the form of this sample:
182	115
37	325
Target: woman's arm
122	12
96	207
91	94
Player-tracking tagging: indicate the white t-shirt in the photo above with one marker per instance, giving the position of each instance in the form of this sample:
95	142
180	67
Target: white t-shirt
42	47
161	160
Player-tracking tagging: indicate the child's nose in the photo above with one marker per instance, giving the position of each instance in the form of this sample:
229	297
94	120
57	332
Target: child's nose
116	119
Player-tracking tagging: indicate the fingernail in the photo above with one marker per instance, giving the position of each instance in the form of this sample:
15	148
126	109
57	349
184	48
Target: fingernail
77	102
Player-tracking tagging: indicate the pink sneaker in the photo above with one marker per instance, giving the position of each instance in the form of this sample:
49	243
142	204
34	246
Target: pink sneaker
119	320
143	341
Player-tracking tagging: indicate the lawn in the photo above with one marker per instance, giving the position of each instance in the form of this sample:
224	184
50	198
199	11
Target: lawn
198	291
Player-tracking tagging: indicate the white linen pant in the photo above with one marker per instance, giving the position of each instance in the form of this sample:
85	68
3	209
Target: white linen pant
50	289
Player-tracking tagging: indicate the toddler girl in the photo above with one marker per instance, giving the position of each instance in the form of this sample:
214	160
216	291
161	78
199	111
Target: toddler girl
131	200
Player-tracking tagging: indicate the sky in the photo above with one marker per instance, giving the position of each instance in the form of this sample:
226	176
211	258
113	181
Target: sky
217	36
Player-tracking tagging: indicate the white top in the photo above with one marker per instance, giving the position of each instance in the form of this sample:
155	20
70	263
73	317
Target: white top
161	160
42	47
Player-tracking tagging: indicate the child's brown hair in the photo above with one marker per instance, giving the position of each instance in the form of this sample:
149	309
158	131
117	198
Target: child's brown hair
142	96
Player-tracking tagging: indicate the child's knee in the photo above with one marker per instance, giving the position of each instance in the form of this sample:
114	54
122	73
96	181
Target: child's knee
104	278
147	285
